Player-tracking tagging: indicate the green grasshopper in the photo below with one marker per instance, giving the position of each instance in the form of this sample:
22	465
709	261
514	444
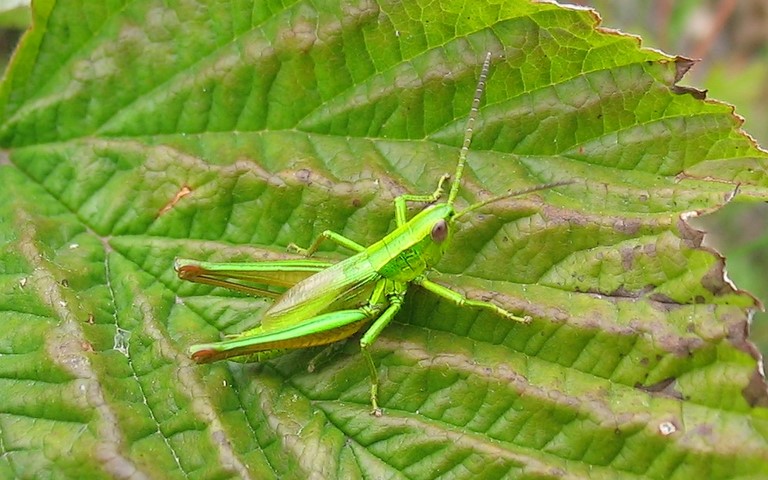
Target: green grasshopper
324	302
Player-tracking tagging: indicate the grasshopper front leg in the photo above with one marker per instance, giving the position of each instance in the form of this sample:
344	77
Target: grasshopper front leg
400	206
400	219
337	238
460	300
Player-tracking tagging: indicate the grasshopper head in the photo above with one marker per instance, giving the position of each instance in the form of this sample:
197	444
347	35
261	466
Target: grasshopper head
440	225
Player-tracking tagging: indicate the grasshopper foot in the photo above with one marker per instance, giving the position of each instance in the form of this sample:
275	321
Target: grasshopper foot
293	248
375	410
524	319
511	316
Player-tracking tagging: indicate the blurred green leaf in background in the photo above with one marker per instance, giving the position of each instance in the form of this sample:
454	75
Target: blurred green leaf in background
139	131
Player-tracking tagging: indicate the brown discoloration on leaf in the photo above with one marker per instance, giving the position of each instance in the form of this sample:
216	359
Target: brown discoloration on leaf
738	333
756	392
623	292
682	65
630	254
692	237
183	192
304	175
694	92
663	302
628	226
665	388
714	280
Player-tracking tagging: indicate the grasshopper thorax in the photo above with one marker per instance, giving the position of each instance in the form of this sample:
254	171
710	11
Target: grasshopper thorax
416	246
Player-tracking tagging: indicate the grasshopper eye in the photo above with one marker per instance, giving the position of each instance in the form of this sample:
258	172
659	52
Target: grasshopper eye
439	231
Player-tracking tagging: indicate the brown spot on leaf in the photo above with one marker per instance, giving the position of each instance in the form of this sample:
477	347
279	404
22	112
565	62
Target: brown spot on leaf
304	175
756	392
682	65
694	92
691	236
704	430
183	192
738	333
664	388
663	301
623	292
627	226
629	254
714	280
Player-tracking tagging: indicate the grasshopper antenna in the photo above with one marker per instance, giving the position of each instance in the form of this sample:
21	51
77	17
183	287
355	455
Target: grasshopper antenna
514	193
470	128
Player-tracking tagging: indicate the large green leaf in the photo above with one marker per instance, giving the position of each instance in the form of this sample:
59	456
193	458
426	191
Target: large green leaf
139	131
